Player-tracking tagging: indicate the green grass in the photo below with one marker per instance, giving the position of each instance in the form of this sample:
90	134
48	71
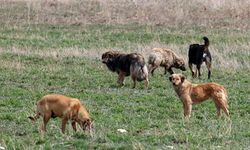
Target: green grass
153	117
108	36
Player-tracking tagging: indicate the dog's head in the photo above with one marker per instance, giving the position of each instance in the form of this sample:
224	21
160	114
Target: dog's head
109	55
177	79
180	63
86	124
84	120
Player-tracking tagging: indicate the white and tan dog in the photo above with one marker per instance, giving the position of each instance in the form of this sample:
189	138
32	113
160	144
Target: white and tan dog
196	93
54	105
165	58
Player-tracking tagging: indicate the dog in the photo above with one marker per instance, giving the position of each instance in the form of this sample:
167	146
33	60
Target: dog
132	64
198	54
67	108
196	93
165	58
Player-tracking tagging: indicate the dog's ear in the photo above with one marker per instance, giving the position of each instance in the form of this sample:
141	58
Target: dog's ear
170	78
183	78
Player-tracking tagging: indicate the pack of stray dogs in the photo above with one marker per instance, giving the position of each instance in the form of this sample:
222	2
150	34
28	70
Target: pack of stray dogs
134	65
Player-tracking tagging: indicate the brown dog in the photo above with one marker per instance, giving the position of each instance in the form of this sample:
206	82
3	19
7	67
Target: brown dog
67	108
196	93
132	64
165	58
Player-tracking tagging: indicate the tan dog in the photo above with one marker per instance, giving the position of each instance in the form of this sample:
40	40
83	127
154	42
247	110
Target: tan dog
165	58
67	108
196	93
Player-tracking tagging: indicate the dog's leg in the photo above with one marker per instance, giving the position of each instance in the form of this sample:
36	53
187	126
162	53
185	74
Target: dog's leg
191	69
199	70
196	73
133	76
223	106
221	103
152	72
121	77
165	70
187	110
225	109
74	125
208	64
146	83
218	109
170	70
134	81
64	122
152	69
46	118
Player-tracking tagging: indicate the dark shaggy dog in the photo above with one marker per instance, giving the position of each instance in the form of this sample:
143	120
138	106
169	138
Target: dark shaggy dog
198	54
132	64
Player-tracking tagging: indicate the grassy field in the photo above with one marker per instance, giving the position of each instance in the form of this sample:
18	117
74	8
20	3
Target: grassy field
41	58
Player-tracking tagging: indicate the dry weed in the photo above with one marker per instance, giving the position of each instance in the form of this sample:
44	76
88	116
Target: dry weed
213	13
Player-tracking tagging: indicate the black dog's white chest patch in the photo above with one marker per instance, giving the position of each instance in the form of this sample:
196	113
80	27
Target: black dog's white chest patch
204	55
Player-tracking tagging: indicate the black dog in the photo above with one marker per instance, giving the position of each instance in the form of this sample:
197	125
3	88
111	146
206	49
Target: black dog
198	54
132	64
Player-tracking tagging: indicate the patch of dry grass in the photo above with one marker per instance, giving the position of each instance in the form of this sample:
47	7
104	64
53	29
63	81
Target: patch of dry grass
212	14
233	56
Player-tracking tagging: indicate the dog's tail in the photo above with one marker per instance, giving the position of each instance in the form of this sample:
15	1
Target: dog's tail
224	99
140	70
206	41
142	73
